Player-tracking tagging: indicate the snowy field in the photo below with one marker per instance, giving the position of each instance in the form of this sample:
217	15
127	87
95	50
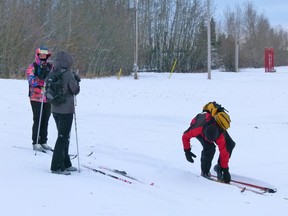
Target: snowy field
136	126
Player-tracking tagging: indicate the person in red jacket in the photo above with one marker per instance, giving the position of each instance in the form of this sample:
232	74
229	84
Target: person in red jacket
207	130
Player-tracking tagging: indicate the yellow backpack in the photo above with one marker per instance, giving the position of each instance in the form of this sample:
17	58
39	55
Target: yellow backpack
223	120
218	113
211	107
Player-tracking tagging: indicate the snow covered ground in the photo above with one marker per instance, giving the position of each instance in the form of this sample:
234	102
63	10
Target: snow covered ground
136	126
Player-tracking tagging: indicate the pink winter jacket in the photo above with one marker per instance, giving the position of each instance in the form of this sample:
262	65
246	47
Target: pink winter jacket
36	85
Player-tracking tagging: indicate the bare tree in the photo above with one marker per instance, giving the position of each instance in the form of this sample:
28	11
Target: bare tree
100	35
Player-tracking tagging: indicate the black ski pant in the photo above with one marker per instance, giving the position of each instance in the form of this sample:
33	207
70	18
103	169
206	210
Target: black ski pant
207	154
209	149
61	159
46	113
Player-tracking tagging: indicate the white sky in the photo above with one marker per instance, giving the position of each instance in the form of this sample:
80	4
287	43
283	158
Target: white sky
276	11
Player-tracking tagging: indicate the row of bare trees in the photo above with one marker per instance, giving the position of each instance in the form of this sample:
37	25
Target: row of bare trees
253	33
100	35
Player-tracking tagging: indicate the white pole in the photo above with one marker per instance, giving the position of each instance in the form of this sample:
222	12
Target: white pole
76	133
208	40
135	66
236	54
40	117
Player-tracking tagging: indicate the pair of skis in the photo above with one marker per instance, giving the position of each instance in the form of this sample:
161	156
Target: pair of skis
26	148
72	156
245	186
115	174
124	177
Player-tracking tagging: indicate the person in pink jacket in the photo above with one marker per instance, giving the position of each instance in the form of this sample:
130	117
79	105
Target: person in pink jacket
36	74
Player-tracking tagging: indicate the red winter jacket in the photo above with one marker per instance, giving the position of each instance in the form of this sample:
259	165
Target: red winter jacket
196	129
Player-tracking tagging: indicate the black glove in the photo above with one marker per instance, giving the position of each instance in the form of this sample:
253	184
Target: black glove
78	79
45	70
222	173
189	155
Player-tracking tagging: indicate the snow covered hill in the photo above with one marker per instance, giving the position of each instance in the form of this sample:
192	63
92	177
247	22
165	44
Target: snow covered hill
136	126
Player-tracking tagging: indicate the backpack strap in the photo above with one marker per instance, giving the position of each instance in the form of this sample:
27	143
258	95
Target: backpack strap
36	69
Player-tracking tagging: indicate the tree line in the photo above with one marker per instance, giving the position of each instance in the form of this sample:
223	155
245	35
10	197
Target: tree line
100	34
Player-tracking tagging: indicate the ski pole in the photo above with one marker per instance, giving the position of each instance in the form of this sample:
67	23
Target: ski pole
40	119
76	133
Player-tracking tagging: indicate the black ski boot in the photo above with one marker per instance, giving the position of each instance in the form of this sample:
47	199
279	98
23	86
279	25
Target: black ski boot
218	170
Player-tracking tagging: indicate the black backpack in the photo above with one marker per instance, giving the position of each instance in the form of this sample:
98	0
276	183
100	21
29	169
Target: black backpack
54	88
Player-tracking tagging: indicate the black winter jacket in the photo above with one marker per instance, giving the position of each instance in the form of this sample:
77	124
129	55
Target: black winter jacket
63	62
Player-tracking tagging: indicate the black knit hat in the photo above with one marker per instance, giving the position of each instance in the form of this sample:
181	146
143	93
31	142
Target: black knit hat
211	132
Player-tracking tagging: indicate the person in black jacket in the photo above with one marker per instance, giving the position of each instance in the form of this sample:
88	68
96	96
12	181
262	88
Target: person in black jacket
63	114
